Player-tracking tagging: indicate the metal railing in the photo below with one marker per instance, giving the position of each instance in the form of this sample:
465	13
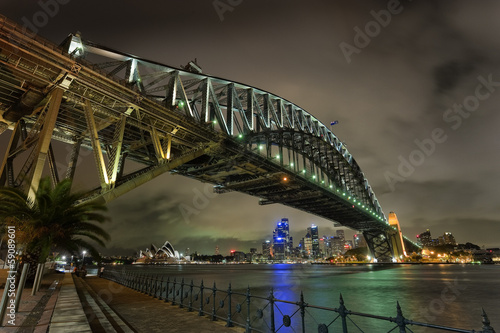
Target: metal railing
267	314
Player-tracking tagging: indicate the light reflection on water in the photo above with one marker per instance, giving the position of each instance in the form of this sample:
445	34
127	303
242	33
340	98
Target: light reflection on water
450	295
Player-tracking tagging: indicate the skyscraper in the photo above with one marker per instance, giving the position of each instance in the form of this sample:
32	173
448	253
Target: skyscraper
425	238
266	249
308	245
341	234
359	241
449	239
338	243
313	231
282	242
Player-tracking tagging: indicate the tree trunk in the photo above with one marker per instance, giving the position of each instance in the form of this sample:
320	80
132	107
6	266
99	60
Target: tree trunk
32	260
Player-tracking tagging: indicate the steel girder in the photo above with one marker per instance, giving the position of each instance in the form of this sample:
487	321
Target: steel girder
125	108
379	244
53	96
230	107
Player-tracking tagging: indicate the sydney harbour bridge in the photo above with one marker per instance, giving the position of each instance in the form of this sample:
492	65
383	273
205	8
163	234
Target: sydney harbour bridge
128	110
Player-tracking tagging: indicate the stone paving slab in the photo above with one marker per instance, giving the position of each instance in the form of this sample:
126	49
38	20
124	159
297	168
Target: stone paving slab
29	303
68	315
147	314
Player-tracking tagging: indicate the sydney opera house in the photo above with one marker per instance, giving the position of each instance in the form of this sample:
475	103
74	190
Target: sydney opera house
165	254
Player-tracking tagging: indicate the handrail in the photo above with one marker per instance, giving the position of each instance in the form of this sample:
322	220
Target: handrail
263	314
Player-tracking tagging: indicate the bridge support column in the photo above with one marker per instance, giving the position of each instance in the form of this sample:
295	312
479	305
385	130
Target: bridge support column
378	242
42	148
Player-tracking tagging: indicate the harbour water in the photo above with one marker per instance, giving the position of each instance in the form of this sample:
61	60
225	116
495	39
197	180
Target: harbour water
449	295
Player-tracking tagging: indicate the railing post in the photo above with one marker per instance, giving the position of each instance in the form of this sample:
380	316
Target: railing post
271	303
343	314
167	289
181	305
400	320
229	319
156	286
190	309
214	290
486	324
302	311
200	313
160	296
173	292
150	285
20	286
248	310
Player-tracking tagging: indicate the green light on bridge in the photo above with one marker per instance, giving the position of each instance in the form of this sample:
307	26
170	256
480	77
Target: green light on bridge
261	147
291	164
180	104
314	176
304	171
240	136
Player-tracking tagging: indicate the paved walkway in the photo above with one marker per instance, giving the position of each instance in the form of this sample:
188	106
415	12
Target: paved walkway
147	314
69	304
35	311
68	315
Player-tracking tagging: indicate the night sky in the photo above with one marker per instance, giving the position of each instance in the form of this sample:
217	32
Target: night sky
415	87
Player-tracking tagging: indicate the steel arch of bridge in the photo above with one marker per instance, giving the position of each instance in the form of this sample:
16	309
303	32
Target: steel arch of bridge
125	108
232	108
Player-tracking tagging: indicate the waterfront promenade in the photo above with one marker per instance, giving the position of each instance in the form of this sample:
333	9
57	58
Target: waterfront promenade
68	304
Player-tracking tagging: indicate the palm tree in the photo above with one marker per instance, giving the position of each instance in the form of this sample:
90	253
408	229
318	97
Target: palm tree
54	219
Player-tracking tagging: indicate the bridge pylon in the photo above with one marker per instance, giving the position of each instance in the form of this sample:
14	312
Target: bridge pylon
380	245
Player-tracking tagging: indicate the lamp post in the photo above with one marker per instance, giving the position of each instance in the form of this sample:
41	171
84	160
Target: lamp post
83	258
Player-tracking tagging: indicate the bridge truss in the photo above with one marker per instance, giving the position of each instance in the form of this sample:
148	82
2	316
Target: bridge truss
130	110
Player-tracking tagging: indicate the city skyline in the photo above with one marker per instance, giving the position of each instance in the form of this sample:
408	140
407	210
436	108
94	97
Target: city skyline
415	99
